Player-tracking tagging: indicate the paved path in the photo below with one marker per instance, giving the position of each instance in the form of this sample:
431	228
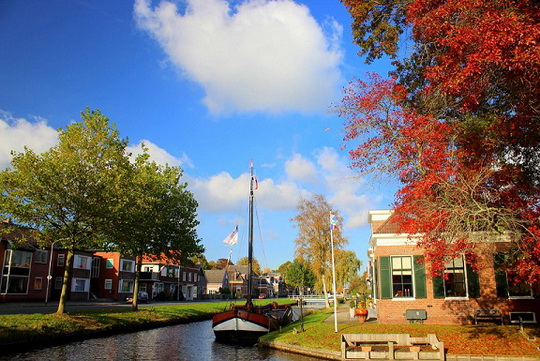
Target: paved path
343	316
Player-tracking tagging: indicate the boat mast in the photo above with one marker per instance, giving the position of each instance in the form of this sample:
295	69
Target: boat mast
250	236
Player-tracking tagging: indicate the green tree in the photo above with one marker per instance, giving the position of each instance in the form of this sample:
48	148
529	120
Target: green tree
159	218
282	270
300	275
347	268
256	266
68	192
313	237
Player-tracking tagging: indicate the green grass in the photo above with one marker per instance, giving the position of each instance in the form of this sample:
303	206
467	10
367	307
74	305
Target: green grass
477	340
28	328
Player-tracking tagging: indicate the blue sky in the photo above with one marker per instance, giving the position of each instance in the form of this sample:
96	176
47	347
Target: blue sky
207	85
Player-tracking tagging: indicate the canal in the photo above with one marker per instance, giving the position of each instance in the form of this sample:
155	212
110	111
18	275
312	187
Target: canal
191	342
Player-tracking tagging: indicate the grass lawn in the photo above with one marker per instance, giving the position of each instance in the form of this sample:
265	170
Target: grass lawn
476	340
39	327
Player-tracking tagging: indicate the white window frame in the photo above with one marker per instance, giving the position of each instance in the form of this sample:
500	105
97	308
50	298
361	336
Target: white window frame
107	284
466	280
82	262
61	260
58	282
124	262
74	284
131	285
405	297
41	256
40	279
109	263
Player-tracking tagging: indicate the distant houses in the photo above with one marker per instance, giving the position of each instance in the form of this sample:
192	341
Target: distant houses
30	273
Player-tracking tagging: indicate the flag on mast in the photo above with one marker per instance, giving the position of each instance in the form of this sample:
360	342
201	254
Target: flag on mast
232	238
333	222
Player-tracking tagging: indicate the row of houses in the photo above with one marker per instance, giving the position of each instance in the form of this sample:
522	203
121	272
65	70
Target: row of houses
405	291
30	273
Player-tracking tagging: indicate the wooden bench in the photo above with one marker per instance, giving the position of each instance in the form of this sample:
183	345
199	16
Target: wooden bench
359	346
491	315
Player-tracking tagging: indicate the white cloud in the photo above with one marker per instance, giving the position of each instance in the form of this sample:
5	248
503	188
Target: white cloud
260	56
344	188
223	193
341	187
299	168
16	133
160	155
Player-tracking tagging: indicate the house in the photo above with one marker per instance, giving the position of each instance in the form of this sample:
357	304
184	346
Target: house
193	282
24	265
113	275
216	280
404	290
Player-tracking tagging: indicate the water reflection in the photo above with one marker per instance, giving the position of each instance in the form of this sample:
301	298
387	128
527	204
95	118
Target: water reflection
194	341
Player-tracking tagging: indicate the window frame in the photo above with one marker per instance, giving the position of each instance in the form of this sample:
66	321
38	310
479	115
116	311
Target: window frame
412	283
124	262
465	281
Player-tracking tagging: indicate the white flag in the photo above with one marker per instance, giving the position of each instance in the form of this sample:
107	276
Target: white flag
232	238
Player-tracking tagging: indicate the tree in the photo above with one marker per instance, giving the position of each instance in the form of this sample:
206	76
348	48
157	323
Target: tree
256	266
158	219
347	268
68	192
313	237
300	275
458	123
282	269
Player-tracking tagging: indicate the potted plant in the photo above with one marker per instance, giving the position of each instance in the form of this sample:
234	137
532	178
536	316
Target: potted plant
361	311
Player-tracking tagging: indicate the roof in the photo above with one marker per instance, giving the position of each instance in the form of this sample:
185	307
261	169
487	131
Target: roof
18	236
214	275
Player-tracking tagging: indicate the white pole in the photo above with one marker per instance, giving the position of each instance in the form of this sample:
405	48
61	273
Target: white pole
333	275
49	276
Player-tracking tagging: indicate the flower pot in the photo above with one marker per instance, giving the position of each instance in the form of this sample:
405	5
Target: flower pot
361	313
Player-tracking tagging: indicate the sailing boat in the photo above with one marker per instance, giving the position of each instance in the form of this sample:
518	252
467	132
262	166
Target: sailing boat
245	324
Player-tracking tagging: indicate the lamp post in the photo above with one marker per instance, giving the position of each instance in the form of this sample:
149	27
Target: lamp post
49	276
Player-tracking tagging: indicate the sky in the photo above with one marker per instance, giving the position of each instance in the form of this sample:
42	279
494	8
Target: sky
206	85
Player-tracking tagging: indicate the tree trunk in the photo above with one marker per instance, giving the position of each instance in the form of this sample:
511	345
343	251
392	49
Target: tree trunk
65	283
135	303
326	302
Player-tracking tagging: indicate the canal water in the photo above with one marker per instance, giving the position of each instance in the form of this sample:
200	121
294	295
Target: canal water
190	342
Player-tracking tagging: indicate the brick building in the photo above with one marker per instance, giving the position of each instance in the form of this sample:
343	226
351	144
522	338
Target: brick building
404	291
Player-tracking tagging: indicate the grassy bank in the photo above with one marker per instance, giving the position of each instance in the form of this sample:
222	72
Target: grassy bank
42	329
476	340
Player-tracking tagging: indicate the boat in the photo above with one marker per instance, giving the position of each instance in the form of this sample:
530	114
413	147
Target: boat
244	324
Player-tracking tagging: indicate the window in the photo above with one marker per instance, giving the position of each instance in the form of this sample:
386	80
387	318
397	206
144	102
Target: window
108	284
127	265
125	286
58	283
38	283
82	262
80	285
184	276
195	277
96	264
15	272
40	256
189	276
455	282
519	289
20	259
402	276
109	263
60	260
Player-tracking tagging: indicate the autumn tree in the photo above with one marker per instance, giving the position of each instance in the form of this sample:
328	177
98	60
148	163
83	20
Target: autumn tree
158	219
68	192
256	266
457	123
313	237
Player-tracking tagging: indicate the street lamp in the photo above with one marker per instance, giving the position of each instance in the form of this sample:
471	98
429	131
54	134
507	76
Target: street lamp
49	276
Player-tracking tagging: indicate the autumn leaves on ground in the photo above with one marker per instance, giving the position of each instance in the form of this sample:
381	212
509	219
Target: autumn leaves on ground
474	339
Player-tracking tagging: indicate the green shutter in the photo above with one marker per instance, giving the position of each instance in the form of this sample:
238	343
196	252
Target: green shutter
438	287
472	282
501	281
386	277
420	290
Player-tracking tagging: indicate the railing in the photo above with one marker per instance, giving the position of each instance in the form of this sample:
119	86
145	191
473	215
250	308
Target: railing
150	276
